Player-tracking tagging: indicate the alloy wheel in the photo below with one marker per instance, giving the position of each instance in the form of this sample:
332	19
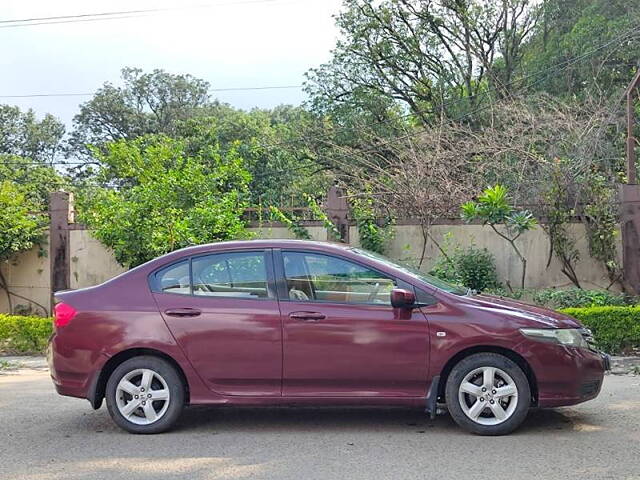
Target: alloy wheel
142	396
488	396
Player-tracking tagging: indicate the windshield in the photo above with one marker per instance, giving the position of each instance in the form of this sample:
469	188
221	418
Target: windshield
414	272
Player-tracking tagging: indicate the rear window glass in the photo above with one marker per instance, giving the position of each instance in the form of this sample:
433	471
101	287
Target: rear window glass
174	279
239	274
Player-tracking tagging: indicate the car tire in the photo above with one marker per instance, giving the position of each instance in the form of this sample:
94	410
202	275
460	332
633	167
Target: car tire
488	394
145	395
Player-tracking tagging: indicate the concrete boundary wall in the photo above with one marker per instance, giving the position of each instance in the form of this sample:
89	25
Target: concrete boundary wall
86	262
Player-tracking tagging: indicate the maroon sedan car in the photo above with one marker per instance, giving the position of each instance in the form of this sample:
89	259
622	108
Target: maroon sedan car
296	322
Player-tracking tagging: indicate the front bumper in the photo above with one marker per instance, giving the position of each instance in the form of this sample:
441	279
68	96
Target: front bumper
564	375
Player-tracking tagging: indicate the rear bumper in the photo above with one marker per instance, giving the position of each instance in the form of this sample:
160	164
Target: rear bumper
564	375
72	371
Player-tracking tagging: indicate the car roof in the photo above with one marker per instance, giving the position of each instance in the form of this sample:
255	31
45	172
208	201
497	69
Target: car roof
264	243
176	255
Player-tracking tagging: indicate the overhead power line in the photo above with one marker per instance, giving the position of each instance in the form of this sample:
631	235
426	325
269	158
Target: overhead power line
117	15
552	69
229	89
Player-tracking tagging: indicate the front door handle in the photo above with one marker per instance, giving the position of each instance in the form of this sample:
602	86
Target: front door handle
307	316
182	312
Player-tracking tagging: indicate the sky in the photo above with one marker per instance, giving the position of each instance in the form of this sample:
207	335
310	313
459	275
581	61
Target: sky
229	43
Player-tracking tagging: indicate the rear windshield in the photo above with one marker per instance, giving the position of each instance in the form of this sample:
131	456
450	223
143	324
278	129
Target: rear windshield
414	272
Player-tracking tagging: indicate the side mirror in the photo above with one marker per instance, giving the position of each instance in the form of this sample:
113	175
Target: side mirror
401	298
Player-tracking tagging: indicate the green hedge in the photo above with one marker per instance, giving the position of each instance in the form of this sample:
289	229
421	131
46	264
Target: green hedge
24	334
615	329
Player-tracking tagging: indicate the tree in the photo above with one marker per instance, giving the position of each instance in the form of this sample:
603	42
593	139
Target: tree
594	42
601	221
557	213
420	175
180	107
165	198
23	135
271	144
36	179
374	233
430	56
147	103
494	209
21	227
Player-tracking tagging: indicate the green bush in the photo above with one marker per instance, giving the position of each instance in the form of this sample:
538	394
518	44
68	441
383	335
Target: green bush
615	329
570	298
576	297
24	334
471	267
522	294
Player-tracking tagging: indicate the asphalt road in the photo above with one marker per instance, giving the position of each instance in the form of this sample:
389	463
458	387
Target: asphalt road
44	436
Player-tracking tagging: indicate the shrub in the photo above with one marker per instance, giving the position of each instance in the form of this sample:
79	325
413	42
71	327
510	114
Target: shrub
516	293
293	224
471	267
24	334
375	234
494	208
571	298
575	297
615	329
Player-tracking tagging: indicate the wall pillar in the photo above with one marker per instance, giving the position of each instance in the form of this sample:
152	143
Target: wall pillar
630	228
337	209
61	217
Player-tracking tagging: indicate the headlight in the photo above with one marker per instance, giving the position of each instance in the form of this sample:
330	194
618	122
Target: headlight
571	337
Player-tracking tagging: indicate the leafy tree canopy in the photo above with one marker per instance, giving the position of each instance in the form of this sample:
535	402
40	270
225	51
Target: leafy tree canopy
166	198
147	103
423	54
23	135
36	180
21	227
28	147
179	106
595	42
272	144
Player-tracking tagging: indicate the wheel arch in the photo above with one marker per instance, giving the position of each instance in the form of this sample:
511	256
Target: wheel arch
510	354
99	385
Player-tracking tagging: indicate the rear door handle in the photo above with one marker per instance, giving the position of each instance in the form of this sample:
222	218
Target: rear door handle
307	316
183	312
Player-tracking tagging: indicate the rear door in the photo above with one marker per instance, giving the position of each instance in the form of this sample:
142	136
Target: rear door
222	310
342	337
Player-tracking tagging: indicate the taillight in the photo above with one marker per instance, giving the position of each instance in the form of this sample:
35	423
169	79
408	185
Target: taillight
63	314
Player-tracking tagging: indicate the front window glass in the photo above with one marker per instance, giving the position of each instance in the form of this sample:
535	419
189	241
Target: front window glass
316	277
408	269
238	274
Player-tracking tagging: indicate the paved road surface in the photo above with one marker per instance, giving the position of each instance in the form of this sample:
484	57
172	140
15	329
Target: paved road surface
44	436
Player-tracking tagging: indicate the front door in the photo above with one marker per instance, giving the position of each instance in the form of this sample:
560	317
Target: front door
342	337
222	310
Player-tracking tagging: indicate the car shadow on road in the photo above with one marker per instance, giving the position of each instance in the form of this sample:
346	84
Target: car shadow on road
546	421
340	419
308	419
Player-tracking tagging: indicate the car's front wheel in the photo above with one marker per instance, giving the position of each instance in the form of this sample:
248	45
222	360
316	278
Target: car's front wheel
145	395
488	394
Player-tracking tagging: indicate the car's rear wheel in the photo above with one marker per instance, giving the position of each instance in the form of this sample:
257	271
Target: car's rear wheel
145	395
488	394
